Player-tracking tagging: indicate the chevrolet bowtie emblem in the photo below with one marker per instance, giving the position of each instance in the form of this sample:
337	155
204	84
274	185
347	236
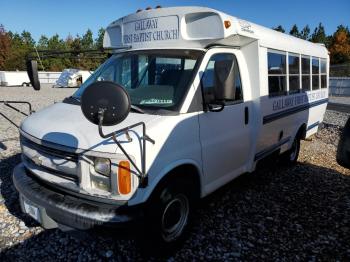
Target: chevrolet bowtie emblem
37	160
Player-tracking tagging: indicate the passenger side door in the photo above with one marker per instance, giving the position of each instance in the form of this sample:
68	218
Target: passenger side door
224	135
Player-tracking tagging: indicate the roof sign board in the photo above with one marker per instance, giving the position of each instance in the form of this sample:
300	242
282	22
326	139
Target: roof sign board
151	30
168	27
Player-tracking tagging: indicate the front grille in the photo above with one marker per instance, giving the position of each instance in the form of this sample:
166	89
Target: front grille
63	175
49	151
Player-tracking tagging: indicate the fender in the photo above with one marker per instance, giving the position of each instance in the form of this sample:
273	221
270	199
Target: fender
142	194
301	128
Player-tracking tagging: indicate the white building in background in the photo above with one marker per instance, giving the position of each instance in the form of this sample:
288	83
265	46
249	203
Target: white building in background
14	78
48	77
20	78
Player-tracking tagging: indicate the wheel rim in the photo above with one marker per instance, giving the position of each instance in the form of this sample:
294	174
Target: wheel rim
175	217
294	152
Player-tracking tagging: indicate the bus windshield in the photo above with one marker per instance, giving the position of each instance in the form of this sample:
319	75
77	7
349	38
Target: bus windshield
156	79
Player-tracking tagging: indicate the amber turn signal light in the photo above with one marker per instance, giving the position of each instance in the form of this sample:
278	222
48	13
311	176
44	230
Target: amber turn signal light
227	24
124	177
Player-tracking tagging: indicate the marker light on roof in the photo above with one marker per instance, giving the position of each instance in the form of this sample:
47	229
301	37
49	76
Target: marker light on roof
227	24
138	10
148	8
158	6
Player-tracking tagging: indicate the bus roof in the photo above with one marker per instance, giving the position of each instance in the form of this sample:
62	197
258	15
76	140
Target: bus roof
198	28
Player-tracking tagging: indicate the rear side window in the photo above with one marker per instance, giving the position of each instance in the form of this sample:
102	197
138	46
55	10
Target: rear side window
305	73
277	73
323	73
294	69
208	79
315	73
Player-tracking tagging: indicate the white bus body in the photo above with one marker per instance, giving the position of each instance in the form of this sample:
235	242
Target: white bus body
280	96
14	78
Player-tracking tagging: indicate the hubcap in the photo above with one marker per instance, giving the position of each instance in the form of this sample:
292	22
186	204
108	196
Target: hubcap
175	217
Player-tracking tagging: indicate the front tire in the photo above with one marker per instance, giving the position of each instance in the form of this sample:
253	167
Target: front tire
168	216
174	218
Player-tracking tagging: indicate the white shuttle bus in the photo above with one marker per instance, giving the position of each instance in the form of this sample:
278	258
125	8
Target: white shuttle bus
190	99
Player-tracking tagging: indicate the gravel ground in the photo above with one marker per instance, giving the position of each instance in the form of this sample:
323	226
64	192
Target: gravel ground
335	118
278	213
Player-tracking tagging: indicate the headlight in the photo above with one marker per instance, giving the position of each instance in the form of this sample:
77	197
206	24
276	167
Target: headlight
102	166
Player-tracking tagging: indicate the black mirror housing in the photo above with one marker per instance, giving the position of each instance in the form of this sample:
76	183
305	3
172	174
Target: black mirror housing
32	71
343	151
224	78
105	103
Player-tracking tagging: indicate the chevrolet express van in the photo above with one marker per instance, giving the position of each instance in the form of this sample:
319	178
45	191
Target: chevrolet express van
191	98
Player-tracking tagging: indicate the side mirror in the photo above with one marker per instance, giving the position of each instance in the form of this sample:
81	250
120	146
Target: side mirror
105	103
224	78
343	151
32	71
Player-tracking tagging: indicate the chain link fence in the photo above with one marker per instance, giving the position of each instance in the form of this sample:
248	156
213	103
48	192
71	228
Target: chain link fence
339	80
341	70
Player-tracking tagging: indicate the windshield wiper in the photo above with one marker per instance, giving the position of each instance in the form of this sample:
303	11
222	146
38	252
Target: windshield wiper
72	100
137	109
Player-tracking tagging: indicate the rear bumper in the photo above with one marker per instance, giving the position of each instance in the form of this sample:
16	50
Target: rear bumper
61	209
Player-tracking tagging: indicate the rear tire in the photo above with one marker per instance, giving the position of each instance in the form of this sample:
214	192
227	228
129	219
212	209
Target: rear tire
290	157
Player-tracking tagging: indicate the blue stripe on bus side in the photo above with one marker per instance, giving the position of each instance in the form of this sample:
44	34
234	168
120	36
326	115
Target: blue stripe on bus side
312	126
271	149
278	115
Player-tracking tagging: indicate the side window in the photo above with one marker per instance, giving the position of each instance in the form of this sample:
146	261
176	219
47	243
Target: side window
305	73
277	73
293	63
315	73
208	79
323	73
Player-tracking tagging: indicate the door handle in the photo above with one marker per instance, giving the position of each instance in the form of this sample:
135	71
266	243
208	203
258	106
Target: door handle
246	115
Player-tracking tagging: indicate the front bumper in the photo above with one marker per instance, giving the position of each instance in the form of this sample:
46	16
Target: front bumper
57	208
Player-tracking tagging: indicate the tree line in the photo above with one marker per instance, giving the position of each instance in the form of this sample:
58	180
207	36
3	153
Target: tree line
338	43
14	47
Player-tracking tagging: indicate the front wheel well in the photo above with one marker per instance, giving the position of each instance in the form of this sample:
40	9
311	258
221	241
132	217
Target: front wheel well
186	173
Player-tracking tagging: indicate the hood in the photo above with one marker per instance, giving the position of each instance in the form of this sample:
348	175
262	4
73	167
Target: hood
64	124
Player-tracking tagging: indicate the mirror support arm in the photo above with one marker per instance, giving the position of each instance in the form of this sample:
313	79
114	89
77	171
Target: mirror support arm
140	172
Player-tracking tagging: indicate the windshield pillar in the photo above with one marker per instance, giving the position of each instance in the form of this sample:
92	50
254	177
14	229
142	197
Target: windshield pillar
134	71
